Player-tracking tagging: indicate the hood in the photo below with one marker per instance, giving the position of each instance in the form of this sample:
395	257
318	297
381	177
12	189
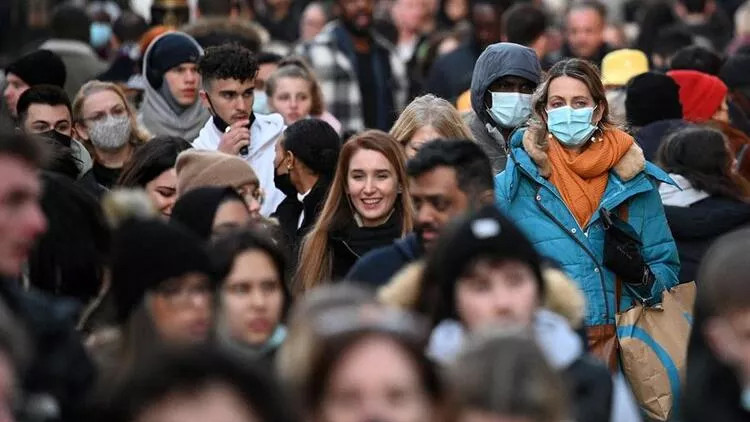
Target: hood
498	60
558	342
157	115
682	195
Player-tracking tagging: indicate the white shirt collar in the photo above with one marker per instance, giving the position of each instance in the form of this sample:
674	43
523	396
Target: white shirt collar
301	196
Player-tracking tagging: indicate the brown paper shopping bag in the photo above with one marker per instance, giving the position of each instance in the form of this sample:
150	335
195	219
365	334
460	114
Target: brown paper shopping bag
653	347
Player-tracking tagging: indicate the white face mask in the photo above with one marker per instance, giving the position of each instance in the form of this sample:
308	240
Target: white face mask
510	109
111	133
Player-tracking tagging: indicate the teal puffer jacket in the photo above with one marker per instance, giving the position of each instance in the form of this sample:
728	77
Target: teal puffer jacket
537	207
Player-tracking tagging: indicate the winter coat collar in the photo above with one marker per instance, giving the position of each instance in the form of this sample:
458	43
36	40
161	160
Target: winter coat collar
682	195
535	144
558	342
636	179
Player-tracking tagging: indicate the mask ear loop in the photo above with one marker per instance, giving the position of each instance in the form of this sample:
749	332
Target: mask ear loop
598	129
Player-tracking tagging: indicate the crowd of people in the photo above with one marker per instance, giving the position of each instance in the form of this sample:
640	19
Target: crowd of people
371	210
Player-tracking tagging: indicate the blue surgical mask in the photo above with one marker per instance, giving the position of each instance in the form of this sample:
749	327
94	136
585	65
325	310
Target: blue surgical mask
99	34
572	127
510	109
260	103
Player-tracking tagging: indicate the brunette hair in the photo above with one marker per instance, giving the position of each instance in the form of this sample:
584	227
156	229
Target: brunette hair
356	325
297	68
583	71
137	134
154	158
294	358
701	155
226	248
315	255
429	110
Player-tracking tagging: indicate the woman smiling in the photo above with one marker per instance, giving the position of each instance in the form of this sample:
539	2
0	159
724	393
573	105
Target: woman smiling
366	208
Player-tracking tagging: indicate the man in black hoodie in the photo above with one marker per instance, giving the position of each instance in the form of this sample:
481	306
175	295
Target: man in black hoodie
446	179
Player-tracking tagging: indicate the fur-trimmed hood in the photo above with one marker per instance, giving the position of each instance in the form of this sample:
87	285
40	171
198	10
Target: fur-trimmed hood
535	143
562	296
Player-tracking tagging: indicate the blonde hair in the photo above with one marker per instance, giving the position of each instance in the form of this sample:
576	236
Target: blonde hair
316	259
137	134
429	110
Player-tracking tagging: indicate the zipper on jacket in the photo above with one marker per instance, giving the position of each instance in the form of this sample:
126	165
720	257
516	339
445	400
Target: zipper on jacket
523	171
538	200
350	249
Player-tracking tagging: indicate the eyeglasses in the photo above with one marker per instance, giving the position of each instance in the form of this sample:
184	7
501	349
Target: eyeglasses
181	295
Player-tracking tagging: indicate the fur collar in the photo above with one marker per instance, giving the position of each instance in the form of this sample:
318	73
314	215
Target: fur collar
535	144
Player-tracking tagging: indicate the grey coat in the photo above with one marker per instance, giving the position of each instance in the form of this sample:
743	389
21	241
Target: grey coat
493	144
81	63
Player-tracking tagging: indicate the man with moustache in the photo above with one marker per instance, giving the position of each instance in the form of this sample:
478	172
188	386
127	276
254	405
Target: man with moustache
446	179
362	78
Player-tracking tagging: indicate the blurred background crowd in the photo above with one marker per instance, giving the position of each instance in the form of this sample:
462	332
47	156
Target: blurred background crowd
375	210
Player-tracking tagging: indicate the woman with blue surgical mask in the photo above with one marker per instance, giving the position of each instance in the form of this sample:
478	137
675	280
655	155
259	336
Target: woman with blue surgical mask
581	190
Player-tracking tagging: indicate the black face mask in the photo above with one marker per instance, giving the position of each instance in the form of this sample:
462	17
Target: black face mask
223	125
58	137
283	182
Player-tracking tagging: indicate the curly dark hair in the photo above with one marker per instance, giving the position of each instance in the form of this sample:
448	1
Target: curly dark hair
227	61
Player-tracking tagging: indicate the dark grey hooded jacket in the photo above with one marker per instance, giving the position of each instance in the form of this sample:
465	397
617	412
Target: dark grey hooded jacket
498	60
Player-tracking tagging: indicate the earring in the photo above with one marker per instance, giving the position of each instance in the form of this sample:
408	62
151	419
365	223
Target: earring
550	137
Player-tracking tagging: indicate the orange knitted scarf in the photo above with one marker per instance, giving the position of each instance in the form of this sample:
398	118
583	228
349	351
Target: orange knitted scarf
581	177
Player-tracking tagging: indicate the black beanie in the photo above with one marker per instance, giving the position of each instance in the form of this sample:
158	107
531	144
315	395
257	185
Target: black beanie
486	233
651	97
315	143
197	208
168	51
146	253
42	67
736	71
